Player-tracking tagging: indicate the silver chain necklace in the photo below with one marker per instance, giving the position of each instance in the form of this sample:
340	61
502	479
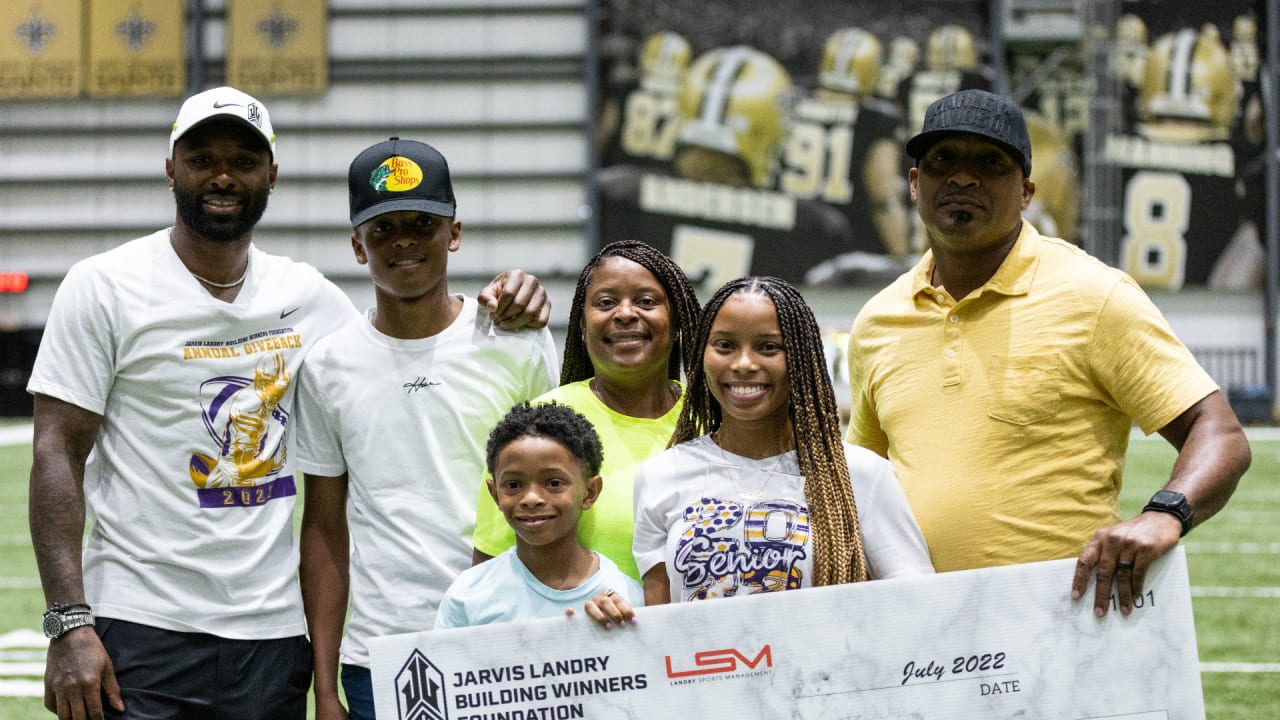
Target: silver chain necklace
757	493
221	286
207	281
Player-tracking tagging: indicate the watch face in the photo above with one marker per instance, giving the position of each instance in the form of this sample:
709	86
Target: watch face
52	625
1174	501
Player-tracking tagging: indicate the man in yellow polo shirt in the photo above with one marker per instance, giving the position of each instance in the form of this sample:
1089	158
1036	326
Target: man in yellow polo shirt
1002	373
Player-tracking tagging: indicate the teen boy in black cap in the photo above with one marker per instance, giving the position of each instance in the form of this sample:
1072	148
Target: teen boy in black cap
1033	360
393	412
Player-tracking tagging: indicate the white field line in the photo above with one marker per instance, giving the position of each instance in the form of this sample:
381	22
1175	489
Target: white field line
25	639
22	688
1223	548
1229	667
1262	433
1252	433
22	663
19	583
16	435
1248	517
1235	592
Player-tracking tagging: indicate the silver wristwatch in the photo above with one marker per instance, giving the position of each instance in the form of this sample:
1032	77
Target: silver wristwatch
59	622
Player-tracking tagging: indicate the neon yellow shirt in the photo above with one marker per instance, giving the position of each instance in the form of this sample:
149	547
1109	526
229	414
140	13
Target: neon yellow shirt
608	526
1007	414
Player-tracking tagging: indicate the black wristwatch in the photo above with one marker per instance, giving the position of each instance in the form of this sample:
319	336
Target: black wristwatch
1174	503
59	620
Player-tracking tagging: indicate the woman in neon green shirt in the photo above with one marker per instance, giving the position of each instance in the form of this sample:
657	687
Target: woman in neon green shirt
630	335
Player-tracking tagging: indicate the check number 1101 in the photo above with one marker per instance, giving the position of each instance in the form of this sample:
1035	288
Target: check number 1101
1140	600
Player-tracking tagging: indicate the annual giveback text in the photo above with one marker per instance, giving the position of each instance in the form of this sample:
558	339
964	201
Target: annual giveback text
205	350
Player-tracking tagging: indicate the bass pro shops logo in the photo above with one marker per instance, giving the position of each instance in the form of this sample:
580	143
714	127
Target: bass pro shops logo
420	693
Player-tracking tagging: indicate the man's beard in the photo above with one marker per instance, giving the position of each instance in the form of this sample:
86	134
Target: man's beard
191	211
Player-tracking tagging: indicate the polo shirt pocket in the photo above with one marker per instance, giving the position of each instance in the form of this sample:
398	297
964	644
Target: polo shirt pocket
1025	389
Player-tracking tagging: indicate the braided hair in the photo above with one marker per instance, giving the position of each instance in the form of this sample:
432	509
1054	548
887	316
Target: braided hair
815	420
681	300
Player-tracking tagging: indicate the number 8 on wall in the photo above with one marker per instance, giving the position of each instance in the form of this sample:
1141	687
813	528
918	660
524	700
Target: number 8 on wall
1157	213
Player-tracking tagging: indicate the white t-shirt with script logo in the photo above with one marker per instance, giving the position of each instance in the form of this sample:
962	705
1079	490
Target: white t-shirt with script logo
408	420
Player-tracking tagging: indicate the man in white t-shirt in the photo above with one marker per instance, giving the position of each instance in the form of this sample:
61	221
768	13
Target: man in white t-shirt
393	412
163	406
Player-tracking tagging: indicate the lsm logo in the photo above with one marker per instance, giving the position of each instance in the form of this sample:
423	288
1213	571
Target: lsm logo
420	693
717	662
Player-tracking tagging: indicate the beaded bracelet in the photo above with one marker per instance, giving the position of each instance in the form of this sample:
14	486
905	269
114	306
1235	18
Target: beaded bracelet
63	607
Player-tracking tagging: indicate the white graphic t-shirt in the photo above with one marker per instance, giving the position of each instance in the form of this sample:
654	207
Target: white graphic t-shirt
729	525
190	486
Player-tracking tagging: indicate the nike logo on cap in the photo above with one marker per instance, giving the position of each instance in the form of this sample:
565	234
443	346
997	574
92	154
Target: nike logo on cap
219	105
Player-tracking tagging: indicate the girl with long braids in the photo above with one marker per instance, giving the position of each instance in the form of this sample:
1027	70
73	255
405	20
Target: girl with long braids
630	337
758	493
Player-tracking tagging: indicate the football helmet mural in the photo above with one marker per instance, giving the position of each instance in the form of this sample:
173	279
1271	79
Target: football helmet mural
1055	208
900	61
1245	58
850	62
951	47
737	101
903	51
664	58
1188	77
1130	53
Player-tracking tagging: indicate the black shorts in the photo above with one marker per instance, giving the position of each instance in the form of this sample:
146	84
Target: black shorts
171	675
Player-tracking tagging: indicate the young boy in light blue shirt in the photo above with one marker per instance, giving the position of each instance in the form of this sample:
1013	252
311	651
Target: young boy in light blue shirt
545	466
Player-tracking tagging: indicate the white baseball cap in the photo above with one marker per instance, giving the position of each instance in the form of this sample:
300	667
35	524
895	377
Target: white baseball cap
223	103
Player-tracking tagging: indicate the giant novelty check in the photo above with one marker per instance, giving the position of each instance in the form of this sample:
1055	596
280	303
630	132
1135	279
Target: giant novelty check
981	644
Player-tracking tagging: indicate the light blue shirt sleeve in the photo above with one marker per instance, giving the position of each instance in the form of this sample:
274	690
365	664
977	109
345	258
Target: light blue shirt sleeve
452	612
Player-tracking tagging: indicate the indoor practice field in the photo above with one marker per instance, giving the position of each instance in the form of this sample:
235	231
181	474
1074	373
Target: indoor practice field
1234	564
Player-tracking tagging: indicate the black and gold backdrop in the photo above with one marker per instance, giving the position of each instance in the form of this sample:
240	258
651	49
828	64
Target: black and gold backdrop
763	137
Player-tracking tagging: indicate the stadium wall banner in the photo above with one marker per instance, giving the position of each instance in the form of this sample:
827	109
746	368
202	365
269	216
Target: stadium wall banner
136	47
1184	157
1004	642
757	137
766	138
278	48
41	49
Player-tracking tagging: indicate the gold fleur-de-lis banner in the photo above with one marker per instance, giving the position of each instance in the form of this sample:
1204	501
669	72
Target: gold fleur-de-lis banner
136	48
40	49
279	47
